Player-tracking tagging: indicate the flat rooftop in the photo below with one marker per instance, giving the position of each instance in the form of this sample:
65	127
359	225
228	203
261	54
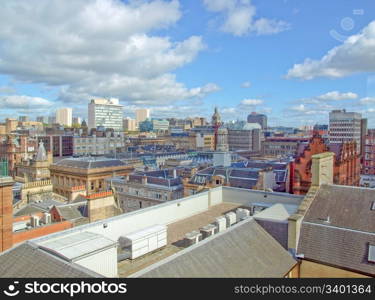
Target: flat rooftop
176	233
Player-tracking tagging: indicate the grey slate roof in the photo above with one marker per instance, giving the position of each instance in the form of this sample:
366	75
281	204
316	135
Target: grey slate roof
343	241
72	211
90	163
244	250
28	261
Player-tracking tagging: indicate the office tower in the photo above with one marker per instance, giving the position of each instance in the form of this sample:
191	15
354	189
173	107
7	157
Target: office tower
142	114
345	127
105	112
64	116
257	118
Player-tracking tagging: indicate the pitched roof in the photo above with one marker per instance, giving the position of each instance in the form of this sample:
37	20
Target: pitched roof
244	250
90	163
28	261
338	228
72	211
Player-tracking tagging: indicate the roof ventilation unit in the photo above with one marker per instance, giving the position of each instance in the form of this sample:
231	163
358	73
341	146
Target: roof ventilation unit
221	224
144	241
208	230
35	221
231	218
47	218
242	214
192	238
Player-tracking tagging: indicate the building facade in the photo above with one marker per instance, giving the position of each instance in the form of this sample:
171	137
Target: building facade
142	115
346	170
58	145
345	127
94	145
64	116
105	112
35	169
248	138
281	146
87	171
129	124
144	189
258	118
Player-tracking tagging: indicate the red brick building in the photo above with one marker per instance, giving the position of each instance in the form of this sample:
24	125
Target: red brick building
346	166
368	167
15	148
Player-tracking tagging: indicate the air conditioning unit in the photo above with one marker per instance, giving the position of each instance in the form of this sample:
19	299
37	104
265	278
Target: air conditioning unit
192	238
231	218
144	241
35	221
241	214
221	224
208	230
47	218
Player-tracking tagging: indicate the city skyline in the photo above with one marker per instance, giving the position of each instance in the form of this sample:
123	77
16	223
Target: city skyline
241	56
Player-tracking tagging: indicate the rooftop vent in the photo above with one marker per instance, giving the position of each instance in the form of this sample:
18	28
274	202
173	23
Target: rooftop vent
208	230
371	253
192	238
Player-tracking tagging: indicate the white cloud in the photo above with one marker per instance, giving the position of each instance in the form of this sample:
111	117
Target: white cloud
23	102
299	108
246	84
356	54
367	100
337	96
239	18
252	102
106	48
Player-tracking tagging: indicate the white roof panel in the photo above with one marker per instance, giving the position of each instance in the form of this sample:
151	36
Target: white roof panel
73	246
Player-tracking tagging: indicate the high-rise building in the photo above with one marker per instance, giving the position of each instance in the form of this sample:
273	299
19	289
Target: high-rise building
345	127
105	112
129	124
142	114
64	116
257	118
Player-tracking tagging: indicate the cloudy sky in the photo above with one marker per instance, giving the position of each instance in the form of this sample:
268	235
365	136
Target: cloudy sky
294	60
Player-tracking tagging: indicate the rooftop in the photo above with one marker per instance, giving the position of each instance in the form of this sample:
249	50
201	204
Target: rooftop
176	232
256	254
89	162
28	261
181	217
75	246
337	230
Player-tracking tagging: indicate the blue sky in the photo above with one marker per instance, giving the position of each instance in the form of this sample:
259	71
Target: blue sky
293	60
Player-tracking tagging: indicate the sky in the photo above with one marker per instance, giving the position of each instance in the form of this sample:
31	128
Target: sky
293	60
